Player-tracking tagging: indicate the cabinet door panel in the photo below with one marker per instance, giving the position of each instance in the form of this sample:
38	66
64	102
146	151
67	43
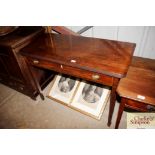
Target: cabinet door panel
3	70
10	64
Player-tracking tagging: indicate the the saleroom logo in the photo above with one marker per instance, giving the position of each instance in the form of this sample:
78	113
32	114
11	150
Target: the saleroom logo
141	120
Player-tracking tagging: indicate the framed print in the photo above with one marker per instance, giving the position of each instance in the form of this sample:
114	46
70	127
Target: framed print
63	89
91	99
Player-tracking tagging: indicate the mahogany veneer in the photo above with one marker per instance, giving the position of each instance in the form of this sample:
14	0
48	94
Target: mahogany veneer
99	60
140	80
14	72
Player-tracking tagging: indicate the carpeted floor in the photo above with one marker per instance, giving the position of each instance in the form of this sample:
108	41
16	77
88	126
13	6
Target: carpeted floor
18	111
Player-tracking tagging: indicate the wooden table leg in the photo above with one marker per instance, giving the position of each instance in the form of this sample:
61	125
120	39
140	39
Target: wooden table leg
36	82
112	100
120	112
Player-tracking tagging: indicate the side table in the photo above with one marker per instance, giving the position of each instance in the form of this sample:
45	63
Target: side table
137	89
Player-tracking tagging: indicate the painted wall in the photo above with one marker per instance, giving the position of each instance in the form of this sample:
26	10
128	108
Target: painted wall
143	36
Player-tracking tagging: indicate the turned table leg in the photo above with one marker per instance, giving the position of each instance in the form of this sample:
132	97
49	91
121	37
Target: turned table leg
120	112
112	99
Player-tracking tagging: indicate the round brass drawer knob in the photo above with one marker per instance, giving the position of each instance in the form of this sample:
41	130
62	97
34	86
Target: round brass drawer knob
35	61
95	77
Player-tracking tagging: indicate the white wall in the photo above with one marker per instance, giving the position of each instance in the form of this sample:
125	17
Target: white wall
149	48
143	36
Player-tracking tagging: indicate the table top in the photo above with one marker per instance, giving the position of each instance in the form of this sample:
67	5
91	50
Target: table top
140	80
103	56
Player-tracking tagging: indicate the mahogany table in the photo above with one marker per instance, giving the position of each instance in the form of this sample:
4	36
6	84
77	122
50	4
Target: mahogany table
98	60
137	89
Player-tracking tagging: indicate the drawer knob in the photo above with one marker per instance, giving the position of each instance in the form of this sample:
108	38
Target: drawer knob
95	77
35	61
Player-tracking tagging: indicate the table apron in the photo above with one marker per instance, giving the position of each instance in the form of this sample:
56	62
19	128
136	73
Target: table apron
73	71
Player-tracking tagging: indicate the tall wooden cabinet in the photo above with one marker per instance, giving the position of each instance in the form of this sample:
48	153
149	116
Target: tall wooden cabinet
14	71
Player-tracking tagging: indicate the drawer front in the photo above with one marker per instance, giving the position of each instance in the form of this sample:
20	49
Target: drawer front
139	106
76	72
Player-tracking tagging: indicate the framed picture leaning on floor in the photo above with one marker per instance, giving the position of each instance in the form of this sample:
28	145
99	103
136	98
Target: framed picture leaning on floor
63	89
91	99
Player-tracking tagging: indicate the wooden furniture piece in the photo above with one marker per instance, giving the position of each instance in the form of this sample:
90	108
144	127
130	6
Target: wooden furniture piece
4	30
14	72
137	89
98	60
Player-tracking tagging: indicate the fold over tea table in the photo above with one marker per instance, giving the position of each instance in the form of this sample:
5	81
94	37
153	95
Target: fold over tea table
98	60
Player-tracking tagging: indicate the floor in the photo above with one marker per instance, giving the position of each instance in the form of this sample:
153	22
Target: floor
18	111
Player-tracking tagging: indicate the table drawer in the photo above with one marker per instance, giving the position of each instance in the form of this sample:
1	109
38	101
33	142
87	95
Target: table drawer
73	71
139	106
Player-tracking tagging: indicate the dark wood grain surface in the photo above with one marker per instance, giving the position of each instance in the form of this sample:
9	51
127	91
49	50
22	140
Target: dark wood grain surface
14	72
98	60
98	55
140	80
20	35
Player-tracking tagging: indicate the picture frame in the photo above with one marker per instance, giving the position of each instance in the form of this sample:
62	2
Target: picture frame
91	99
63	89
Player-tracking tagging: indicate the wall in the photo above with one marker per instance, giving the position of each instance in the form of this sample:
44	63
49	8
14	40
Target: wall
143	36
